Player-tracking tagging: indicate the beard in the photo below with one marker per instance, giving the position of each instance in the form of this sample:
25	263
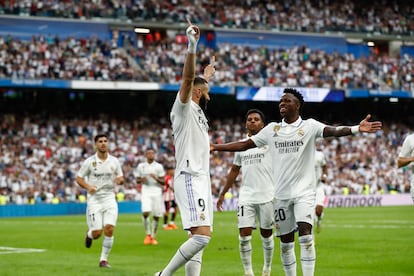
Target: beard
203	103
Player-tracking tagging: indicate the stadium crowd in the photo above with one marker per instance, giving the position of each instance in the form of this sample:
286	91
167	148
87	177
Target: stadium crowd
160	61
385	17
39	156
54	58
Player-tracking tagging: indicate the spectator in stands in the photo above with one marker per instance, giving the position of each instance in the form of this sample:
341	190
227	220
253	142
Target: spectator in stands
299	16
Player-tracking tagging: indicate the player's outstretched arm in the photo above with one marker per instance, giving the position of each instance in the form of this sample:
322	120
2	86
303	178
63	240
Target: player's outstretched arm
364	126
193	35
233	146
404	161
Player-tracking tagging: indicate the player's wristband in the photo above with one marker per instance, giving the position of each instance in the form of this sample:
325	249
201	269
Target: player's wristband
354	129
192	48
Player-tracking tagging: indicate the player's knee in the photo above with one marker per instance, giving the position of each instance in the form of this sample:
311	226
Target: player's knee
306	240
266	233
201	240
304	228
268	242
109	230
96	234
244	239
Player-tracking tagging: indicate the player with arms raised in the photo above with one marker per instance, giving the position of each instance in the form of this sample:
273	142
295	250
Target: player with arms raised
192	184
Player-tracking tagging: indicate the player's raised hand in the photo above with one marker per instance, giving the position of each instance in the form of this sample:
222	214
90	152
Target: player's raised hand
210	70
193	34
366	126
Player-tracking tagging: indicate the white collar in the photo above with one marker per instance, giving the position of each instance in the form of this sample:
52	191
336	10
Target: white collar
294	124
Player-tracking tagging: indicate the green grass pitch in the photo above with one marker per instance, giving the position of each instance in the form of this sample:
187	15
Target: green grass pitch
353	241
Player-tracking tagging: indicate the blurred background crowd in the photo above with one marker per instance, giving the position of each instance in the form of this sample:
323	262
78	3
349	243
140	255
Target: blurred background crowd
161	61
41	151
383	17
39	157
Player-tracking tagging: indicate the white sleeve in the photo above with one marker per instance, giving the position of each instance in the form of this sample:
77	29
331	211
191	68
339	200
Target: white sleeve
84	169
261	138
407	149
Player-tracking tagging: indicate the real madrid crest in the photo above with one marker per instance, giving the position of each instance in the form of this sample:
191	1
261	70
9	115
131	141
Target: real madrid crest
301	132
276	128
94	164
202	216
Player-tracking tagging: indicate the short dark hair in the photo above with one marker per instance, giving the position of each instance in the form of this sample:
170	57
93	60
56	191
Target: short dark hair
200	80
258	111
98	136
295	93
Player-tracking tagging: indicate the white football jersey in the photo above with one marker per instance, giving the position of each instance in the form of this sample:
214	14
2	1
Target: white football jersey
320	162
150	186
407	150
257	175
292	147
101	174
190	132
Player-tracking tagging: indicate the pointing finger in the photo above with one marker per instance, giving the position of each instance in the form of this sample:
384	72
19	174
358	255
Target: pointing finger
212	60
188	20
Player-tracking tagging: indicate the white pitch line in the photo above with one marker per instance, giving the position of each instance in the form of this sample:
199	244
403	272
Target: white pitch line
368	226
15	250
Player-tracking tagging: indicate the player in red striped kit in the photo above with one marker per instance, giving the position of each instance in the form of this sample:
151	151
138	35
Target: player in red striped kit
169	201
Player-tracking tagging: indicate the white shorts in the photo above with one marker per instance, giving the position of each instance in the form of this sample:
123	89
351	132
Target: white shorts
99	215
152	203
246	215
320	196
289	212
193	196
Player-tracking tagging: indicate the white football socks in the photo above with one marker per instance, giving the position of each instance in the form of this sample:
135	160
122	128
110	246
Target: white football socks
307	255
185	253
154	228
106	247
193	266
288	257
268	249
147	225
245	248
